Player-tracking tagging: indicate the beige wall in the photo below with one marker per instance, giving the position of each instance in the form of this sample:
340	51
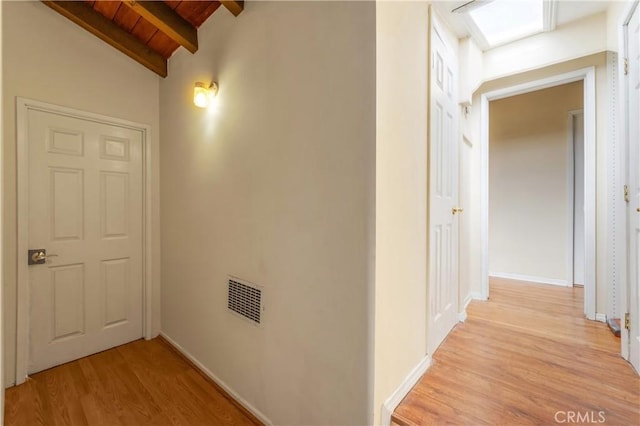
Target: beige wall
277	188
52	60
401	194
471	126
529	189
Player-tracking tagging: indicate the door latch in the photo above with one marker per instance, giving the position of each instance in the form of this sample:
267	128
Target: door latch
627	322
626	66
626	193
39	256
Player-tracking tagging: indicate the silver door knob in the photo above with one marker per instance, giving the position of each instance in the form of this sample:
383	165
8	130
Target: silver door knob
39	256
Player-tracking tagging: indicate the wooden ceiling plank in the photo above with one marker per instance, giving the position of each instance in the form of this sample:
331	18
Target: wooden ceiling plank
167	21
144	30
108	9
162	44
110	33
189	10
196	12
173	3
126	19
234	6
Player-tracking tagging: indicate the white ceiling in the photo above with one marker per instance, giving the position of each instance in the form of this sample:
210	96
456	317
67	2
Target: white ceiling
567	11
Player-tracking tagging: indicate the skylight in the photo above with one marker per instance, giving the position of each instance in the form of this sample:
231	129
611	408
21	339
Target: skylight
502	21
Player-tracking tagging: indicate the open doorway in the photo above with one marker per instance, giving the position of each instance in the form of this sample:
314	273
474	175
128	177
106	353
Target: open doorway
558	271
536	186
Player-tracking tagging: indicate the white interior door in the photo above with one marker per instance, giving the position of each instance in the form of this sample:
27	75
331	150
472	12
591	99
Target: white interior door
443	189
579	250
633	170
85	210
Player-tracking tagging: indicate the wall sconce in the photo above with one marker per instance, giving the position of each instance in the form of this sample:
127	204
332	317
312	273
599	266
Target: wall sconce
203	94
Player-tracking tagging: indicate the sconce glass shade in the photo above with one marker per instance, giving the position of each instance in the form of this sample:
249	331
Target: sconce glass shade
203	94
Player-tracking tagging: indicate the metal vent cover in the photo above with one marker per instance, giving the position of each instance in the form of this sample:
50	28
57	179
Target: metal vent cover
245	299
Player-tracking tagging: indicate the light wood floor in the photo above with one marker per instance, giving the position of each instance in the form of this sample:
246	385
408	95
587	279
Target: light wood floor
141	383
519	359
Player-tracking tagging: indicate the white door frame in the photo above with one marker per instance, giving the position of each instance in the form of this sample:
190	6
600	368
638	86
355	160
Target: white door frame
572	196
588	77
23	107
622	126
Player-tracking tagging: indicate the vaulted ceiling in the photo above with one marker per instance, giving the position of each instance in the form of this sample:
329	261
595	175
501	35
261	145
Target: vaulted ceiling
147	31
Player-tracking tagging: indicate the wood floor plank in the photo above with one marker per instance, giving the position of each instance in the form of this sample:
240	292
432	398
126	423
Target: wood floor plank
521	357
141	383
476	401
217	403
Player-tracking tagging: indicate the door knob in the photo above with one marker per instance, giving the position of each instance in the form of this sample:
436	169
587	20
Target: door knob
456	210
39	256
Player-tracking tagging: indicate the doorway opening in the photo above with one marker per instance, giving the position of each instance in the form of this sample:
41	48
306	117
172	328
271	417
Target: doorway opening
519	189
536	186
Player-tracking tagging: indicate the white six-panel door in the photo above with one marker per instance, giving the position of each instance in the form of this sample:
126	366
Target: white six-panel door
85	210
443	189
633	167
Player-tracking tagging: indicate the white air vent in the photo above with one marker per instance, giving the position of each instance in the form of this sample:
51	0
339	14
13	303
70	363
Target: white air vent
245	299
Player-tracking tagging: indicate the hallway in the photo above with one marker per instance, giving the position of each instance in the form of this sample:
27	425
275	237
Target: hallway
527	356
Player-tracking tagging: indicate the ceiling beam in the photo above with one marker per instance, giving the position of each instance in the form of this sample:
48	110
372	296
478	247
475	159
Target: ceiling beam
166	20
234	6
83	15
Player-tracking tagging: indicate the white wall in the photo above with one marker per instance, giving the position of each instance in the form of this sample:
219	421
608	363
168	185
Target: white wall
529	189
470	67
468	221
401	194
276	188
471	126
50	59
570	41
470	261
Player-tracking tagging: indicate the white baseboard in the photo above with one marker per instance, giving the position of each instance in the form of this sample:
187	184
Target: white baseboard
601	317
405	387
530	278
476	295
462	316
259	415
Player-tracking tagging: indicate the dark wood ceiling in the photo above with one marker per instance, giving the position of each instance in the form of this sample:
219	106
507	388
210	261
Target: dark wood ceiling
147	31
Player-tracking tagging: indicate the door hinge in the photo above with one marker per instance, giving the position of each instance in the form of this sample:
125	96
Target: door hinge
626	193
627	321
626	66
